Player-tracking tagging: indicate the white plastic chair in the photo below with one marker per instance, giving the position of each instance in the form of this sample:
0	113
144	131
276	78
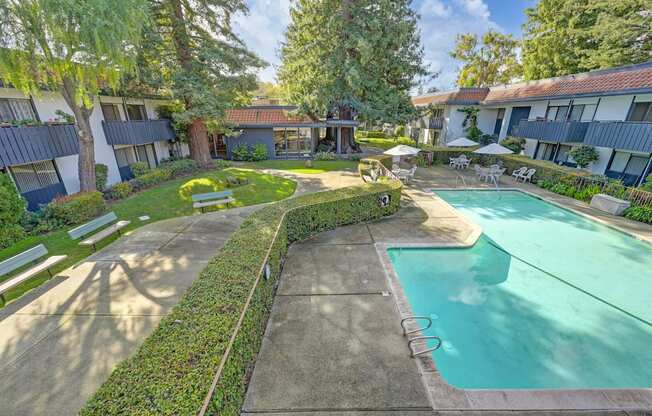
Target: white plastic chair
527	177
518	172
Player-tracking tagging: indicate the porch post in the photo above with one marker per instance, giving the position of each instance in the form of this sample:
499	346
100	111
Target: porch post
338	139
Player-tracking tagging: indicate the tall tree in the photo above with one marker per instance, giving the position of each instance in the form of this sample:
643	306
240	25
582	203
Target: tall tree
352	58
75	47
193	51
489	60
563	37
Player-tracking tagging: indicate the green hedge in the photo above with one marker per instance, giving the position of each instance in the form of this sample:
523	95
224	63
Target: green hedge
173	369
72	210
12	211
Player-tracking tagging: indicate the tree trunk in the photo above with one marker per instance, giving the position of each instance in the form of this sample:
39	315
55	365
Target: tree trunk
197	134
86	163
347	137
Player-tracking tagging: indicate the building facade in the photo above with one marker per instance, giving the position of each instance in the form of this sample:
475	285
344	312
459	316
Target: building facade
39	150
610	110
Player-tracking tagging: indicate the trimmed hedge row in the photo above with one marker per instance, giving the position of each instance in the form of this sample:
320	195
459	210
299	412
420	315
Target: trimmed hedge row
173	369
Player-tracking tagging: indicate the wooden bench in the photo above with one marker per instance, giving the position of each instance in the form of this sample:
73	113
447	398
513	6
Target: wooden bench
202	201
20	260
92	226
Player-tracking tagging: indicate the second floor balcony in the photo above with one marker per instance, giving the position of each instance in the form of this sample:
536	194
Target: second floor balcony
27	144
137	132
552	131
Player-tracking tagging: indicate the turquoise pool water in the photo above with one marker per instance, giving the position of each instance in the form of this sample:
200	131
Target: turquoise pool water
545	299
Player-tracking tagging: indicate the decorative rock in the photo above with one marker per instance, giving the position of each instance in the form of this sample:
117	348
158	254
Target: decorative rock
609	204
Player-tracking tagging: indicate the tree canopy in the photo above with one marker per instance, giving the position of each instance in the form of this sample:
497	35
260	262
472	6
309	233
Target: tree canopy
488	60
360	56
568	36
75	47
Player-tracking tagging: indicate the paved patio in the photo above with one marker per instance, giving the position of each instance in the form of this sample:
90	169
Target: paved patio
63	339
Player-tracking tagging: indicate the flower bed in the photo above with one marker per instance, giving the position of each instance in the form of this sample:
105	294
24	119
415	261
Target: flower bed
199	355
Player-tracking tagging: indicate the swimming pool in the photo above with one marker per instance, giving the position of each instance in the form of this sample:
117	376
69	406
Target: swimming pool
546	299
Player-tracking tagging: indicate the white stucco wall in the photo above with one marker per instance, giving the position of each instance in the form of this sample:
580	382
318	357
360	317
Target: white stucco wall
600	166
67	167
529	147
454	120
487	119
614	108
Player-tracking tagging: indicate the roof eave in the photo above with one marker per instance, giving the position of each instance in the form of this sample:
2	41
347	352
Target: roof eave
569	96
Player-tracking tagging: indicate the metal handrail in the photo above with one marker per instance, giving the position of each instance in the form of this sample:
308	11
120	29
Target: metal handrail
414	354
414	318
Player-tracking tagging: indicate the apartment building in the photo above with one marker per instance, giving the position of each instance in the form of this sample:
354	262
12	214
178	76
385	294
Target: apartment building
39	150
608	109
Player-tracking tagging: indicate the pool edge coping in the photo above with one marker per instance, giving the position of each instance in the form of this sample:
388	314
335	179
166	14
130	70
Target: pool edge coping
444	396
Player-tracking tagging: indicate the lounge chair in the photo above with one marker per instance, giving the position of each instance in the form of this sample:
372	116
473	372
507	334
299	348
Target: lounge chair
518	172
407	174
527	177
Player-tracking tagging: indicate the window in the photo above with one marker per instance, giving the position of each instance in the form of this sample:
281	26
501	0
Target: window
576	113
619	162
34	176
136	112
500	116
279	142
16	109
557	113
627	167
145	153
125	156
111	112
641	112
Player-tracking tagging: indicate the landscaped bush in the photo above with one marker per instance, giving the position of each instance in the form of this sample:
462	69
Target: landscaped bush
222	164
647	185
179	167
515	144
120	190
154	177
101	176
377	134
172	371
584	155
324	156
638	213
258	152
12	211
240	153
232	181
72	210
139	168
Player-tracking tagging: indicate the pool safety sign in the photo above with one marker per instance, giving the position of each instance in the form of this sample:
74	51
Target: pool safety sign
384	200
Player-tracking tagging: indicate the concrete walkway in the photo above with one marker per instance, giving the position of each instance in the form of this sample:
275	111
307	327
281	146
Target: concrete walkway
63	339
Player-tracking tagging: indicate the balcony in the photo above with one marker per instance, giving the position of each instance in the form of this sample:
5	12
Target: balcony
137	132
635	136
27	144
436	123
552	131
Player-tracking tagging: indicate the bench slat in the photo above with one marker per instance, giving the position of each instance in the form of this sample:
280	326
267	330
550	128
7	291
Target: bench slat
91	226
211	195
95	238
14	281
214	202
22	259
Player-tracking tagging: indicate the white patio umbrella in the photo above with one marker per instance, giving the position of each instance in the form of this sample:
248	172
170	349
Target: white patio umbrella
402	150
462	142
493	149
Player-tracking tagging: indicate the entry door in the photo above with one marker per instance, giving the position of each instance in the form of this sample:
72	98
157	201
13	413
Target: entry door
518	114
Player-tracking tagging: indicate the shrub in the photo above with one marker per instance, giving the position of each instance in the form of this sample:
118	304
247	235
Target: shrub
647	185
486	139
154	177
324	156
233	181
376	134
172	371
240	153
121	190
12	212
222	164
101	176
179	167
72	210
400	131
515	144
258	152
584	155
639	213
355	157
139	168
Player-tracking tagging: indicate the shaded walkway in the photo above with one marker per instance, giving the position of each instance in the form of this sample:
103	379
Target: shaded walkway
62	340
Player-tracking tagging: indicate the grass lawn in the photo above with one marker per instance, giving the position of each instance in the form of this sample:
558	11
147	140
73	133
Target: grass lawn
384	144
298	166
168	200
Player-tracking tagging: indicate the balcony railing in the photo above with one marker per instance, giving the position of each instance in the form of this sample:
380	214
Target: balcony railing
137	132
624	135
26	144
552	131
436	123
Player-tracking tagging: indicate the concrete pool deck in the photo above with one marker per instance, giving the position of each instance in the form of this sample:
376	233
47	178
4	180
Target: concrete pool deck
318	352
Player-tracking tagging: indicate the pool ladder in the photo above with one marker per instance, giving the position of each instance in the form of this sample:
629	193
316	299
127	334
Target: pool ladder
414	353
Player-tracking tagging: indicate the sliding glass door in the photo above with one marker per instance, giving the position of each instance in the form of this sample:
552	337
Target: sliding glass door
292	143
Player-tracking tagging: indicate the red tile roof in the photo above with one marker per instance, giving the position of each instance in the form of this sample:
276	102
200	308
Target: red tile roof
615	80
267	116
461	96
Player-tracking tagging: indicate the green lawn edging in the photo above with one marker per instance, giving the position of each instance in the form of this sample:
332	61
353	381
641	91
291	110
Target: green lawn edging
226	309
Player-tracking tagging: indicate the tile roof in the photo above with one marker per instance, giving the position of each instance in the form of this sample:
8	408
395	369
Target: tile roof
615	80
267	116
464	96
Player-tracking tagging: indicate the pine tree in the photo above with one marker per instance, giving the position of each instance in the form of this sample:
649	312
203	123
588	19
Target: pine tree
357	59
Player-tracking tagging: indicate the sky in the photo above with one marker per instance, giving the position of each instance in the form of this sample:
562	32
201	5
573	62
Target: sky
441	20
